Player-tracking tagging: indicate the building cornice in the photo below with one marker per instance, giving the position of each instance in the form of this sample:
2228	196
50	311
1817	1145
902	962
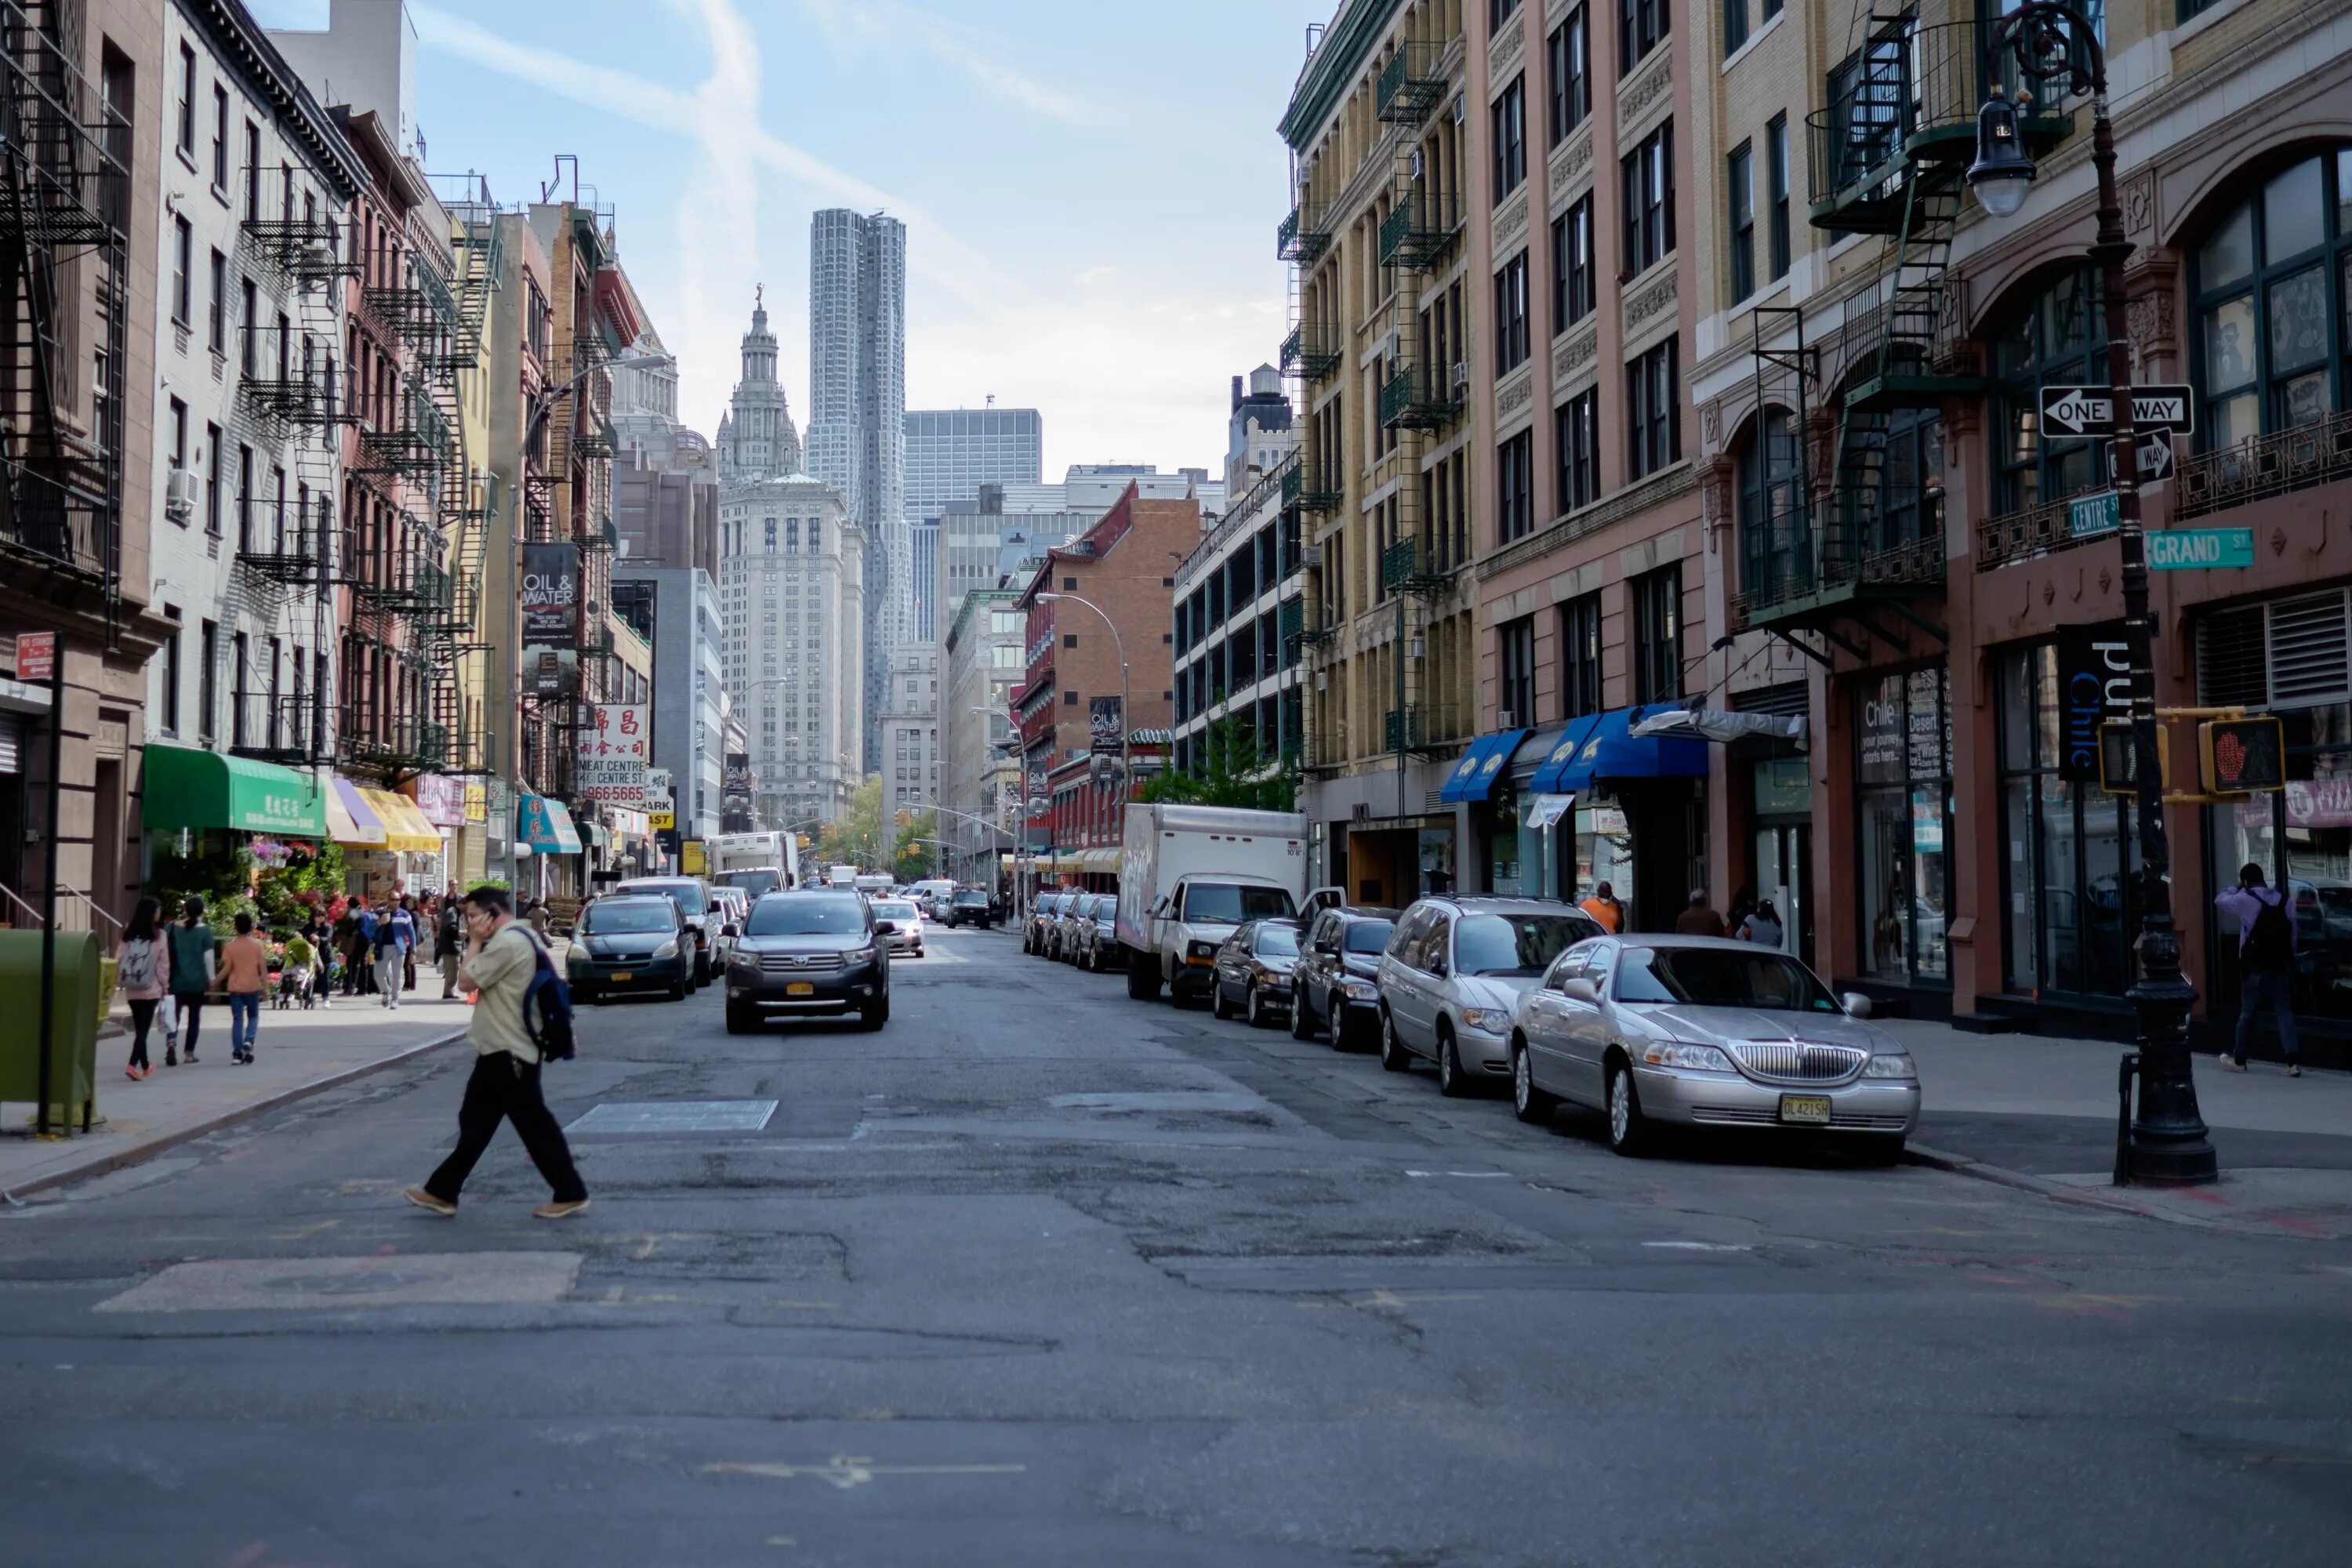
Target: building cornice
230	28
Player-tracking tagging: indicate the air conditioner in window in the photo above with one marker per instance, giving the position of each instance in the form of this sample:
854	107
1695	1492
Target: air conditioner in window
1507	719
1393	346
1310	555
1461	108
180	495
1413	164
1461	375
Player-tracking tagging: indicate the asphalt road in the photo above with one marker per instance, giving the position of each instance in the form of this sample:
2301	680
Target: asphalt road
1041	1275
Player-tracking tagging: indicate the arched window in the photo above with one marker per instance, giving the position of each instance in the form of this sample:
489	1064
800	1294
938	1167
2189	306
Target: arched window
2058	338
2274	290
1776	546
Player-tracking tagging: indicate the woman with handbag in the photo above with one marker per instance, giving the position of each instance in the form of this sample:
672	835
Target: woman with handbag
143	973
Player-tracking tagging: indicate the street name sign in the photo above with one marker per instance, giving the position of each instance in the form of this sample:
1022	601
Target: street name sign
2190	549
2087	516
2091	410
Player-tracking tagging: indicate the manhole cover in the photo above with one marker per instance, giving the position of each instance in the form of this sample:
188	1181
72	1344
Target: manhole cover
1168	1101
678	1116
401	1280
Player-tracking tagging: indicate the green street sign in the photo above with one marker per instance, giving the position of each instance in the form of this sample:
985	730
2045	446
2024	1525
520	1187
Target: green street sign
2193	549
2094	514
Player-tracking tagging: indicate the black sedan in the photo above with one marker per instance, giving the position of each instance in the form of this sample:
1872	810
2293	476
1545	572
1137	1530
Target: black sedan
809	954
1253	972
1336	974
627	946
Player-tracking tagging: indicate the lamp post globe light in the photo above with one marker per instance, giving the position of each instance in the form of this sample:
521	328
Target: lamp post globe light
2058	45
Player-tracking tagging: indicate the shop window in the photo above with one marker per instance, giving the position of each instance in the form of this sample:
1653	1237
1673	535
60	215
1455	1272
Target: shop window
1658	635
1580	657
2272	341
1775	532
1516	682
2058	337
2302	838
1902	799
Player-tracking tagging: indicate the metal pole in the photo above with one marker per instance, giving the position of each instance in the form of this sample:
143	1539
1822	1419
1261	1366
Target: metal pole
50	891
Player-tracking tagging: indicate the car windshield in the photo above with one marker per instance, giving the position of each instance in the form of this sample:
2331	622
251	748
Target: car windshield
689	895
1277	941
1226	903
971	898
1368	936
806	914
610	918
893	909
754	883
1721	977
1514	944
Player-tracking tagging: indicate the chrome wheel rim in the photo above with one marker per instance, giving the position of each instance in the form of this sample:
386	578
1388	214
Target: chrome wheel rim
1446	1063
1522	1079
1621	1108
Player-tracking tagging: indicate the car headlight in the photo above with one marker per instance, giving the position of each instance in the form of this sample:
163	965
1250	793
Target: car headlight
1892	1064
578	959
668	948
1201	950
1671	1054
857	955
1493	1020
1363	990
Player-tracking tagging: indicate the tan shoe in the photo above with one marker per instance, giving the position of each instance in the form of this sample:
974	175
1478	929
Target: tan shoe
428	1203
2233	1064
559	1210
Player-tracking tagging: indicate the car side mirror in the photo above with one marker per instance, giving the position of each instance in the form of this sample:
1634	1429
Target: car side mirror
1855	1004
1439	967
1328	949
886	927
730	929
1577	988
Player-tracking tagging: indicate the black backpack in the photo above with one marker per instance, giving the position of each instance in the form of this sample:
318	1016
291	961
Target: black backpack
2270	940
547	1006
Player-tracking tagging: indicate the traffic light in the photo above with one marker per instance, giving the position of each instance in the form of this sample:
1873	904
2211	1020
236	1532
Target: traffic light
2118	760
2242	756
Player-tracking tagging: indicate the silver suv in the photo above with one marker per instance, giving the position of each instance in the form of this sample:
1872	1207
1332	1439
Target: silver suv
1453	974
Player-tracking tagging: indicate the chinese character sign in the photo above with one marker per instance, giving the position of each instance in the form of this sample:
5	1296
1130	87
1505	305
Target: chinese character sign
613	754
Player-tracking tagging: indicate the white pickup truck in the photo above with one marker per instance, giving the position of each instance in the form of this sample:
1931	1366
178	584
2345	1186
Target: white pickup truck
1188	875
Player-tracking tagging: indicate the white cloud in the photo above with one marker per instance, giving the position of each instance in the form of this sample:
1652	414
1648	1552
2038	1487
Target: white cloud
888	26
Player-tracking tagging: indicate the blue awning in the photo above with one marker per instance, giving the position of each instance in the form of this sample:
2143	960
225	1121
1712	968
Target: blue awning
1563	751
1610	750
1475	775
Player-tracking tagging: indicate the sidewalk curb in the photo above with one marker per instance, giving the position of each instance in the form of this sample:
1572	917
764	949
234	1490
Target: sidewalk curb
115	1160
2059	1192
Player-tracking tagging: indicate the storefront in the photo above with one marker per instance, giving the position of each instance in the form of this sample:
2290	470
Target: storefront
201	794
1629	810
352	823
545	829
1903	806
441	800
1480	780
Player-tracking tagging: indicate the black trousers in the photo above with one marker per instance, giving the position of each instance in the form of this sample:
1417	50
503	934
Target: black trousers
503	1088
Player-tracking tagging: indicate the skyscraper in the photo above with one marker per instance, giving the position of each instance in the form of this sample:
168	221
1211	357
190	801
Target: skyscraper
858	406
951	452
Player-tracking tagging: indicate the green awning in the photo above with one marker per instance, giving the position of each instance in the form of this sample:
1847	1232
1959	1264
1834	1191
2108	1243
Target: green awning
201	791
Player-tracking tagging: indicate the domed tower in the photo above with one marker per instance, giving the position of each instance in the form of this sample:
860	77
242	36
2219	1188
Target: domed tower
757	439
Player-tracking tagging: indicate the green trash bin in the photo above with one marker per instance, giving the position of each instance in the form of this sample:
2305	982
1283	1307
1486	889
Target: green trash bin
73	1032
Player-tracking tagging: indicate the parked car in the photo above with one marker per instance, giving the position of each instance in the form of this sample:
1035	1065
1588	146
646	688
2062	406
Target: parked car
694	902
1700	1032
1452	973
1099	947
1062	942
809	954
1253	972
970	906
630	946
1042	916
734	907
900	923
1335	986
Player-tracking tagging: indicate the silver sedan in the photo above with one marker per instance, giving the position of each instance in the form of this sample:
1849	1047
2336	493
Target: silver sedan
1696	1031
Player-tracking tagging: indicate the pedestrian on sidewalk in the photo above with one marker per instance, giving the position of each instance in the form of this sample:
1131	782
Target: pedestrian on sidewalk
362	950
1602	906
142	972
1763	927
502	956
537	916
448	945
193	959
2266	946
416	933
245	975
395	937
1699	919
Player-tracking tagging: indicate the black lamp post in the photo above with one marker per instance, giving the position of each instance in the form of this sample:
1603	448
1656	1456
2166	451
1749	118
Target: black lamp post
2055	43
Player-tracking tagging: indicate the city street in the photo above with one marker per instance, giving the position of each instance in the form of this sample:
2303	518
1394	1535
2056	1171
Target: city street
1039	1274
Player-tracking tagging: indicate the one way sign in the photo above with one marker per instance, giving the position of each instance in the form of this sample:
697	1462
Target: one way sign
2091	410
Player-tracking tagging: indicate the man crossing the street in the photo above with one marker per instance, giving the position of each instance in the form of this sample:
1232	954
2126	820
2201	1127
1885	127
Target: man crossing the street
502	957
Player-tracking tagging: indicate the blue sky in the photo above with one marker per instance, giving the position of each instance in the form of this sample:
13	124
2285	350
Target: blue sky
1091	189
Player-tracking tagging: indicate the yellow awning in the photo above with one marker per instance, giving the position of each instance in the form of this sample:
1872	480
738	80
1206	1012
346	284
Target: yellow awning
406	827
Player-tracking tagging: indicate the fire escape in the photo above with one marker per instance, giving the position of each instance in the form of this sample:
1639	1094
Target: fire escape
1846	537
64	206
457	636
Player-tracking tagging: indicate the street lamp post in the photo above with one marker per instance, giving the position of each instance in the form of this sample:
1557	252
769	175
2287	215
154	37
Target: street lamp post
2054	42
1125	708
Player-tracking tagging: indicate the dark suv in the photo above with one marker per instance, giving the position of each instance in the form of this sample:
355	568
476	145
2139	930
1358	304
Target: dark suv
808	954
1340	958
969	906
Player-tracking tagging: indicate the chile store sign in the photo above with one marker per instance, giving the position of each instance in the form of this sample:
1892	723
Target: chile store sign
2094	686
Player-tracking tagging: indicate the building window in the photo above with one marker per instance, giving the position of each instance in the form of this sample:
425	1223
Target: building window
1570	54
212	480
1579	656
186	131
1653	411
1499	12
172	672
1641	28
1776	143
1741	193
1658	635
1515	487
1735	24
1903	796
252	173
247	306
1775	540
220	139
217	311
1648	173
184	245
1574	285
2058	336
244	497
207	680
1510	116
2274	282
1515	692
240	650
1576	426
179	434
1510	315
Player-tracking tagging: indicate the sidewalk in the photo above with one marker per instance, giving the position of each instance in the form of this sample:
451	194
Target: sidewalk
297	1054
2042	1111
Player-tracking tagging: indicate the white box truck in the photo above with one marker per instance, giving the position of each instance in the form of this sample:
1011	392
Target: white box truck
1189	874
